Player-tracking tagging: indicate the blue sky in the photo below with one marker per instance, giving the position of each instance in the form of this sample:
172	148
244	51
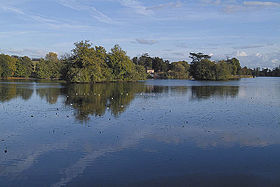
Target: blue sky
248	30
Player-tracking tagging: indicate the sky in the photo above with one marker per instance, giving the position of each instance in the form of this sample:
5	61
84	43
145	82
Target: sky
171	29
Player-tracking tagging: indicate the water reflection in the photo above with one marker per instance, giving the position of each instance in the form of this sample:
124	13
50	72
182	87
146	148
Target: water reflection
155	90
206	92
94	99
155	135
50	94
10	91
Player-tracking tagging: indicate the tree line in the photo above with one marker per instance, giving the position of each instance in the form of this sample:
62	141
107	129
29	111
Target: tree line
88	63
85	64
200	68
265	72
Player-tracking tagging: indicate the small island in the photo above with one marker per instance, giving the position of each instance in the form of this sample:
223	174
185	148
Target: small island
89	64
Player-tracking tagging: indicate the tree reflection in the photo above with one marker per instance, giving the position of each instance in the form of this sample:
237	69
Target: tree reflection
159	91
206	92
156	89
94	99
11	90
51	94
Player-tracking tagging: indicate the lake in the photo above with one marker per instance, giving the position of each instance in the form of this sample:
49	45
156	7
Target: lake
150	133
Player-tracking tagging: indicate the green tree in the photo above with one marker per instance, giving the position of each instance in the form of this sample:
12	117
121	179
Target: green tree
223	71
141	73
159	65
179	70
146	61
1	71
50	67
246	71
87	64
52	56
43	70
202	68
197	57
123	68
24	67
234	66
8	65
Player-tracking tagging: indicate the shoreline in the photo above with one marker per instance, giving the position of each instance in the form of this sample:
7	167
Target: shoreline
235	77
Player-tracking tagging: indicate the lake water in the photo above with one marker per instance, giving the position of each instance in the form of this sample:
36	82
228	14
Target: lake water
151	133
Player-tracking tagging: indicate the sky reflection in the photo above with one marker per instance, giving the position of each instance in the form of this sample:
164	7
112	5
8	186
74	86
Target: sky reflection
67	133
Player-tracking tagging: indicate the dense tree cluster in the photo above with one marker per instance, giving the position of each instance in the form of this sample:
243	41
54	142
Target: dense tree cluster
163	68
94	64
7	65
88	63
85	64
202	68
266	72
179	70
156	63
49	68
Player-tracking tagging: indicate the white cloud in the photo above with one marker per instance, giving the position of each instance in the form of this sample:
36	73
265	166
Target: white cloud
265	60
260	3
136	6
215	2
241	53
76	5
249	46
275	61
146	42
12	9
25	52
166	5
231	6
52	23
259	55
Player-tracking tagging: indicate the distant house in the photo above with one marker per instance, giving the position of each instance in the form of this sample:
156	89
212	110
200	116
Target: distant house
150	71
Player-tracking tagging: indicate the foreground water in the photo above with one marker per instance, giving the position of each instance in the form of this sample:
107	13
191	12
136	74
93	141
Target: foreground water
157	132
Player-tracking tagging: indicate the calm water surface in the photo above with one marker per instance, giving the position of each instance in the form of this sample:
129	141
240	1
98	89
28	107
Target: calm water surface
157	132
